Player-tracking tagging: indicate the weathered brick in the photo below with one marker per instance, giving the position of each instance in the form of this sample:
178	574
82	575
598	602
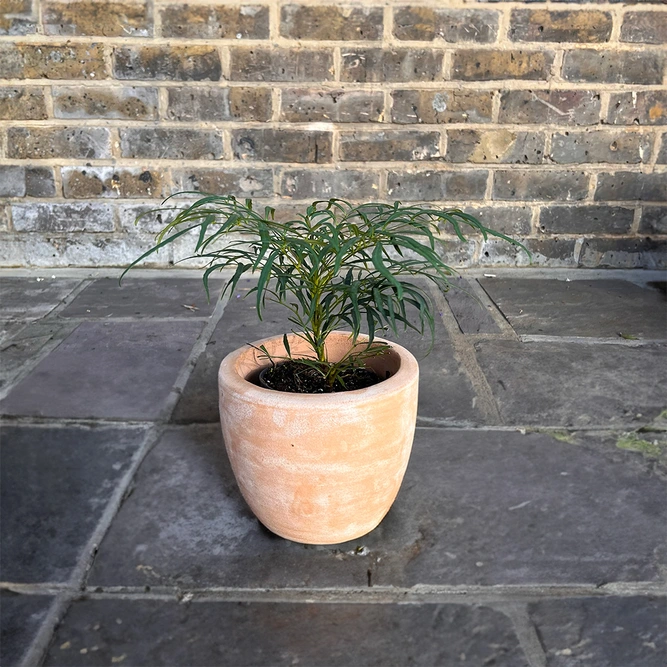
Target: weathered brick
151	221
52	61
662	155
22	104
631	186
477	65
644	107
437	185
446	106
512	220
338	106
129	103
585	219
451	25
558	107
495	146
58	142
215	21
315	183
5	211
653	220
613	66
39	182
395	65
170	143
167	63
389	145
454	252
238	182
16	17
90	217
547	252
616	147
12	181
94	182
327	22
644	27
264	64
81	249
17	25
17	181
214	104
89	17
624	253
540	185
274	145
542	25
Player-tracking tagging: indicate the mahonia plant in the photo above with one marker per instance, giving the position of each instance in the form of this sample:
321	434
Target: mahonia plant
335	264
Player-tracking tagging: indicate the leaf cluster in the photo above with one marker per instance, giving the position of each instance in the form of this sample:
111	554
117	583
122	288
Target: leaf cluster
334	265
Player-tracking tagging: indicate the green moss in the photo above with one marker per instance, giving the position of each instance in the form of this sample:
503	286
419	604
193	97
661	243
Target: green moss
633	443
563	436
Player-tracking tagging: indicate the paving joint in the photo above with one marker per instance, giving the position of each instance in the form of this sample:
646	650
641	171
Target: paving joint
465	354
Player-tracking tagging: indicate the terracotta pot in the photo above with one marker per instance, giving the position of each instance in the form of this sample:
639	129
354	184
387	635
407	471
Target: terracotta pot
318	468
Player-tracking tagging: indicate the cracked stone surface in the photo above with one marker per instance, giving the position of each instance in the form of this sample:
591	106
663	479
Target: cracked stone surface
49	510
574	385
597	308
471	315
107	370
144	298
20	618
237	633
619	632
534	538
31	298
26	345
486	507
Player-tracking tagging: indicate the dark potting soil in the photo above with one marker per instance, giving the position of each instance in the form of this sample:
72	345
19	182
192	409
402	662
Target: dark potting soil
298	378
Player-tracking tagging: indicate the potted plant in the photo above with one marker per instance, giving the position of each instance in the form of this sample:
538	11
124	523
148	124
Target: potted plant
319	445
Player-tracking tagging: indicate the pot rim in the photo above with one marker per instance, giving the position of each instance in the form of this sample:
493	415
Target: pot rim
230	380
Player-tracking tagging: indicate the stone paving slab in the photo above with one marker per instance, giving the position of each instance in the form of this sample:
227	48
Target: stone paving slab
32	298
614	631
20	619
573	384
445	391
56	483
104	632
26	346
144	297
477	507
471	315
107	370
589	308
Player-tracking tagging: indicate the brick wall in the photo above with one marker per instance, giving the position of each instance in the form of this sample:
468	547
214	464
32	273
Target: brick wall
547	120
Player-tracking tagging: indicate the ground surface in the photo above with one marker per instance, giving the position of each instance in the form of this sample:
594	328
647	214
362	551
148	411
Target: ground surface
529	530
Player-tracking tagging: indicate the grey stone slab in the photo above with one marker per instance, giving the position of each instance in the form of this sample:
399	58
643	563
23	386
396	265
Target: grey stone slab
144	297
20	619
471	315
31	298
25	346
591	308
614	631
9	328
571	384
271	633
107	370
476	507
445	391
56	483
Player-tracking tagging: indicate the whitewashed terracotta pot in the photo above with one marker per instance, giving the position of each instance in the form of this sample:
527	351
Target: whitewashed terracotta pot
318	468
